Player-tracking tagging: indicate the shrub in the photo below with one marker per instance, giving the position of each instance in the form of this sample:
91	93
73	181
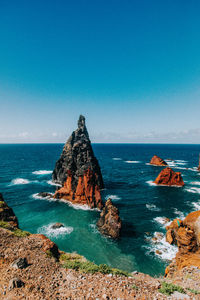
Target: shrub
169	288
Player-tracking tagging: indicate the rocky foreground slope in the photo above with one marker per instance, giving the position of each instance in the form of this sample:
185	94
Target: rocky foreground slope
78	171
32	267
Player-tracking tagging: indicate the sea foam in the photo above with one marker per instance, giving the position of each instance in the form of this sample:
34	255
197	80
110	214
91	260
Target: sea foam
152	207
54	232
42	172
18	181
132	161
161	248
117	158
53	183
113	197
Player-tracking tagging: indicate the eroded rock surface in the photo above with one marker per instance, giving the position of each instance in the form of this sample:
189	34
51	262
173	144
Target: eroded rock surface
168	177
110	223
157	161
186	235
78	170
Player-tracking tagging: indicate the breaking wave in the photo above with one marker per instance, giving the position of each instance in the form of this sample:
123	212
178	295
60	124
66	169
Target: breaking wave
113	197
54	232
132	161
42	172
17	181
152	207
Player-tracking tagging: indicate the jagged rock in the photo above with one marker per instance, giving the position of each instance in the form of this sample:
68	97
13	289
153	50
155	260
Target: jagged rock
109	222
168	177
15	283
20	263
45	195
7	214
186	235
78	170
57	225
157	161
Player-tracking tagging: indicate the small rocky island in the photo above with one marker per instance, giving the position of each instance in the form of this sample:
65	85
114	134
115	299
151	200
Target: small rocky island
157	161
110	223
170	178
78	170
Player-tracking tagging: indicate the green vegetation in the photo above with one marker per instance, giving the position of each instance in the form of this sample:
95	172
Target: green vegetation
49	253
134	287
2	204
169	288
79	263
16	231
194	291
20	233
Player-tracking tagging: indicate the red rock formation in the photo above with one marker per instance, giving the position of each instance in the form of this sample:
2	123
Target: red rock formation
157	161
186	235
86	191
168	177
110	223
78	170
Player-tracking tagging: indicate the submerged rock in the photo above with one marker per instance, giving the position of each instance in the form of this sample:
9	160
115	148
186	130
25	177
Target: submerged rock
78	170
57	225
45	195
168	177
157	161
7	214
109	222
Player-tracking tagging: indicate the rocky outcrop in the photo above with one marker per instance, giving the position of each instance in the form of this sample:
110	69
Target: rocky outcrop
157	161
186	235
7	214
168	177
78	170
110	223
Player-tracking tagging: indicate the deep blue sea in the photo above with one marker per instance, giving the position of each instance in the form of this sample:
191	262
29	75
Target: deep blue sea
26	171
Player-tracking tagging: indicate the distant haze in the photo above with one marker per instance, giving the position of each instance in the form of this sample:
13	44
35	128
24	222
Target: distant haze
132	68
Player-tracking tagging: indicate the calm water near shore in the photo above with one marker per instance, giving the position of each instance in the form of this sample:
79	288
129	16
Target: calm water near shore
25	170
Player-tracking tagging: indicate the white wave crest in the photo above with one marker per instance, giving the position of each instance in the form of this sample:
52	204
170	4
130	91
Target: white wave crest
113	197
42	172
151	183
162	220
54	232
194	190
132	161
36	196
17	181
53	183
161	248
180	214
117	158
196	205
152	207
195	182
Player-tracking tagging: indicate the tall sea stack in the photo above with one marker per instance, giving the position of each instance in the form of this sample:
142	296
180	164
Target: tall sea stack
78	171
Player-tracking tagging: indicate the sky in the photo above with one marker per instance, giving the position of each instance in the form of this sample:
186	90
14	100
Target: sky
132	68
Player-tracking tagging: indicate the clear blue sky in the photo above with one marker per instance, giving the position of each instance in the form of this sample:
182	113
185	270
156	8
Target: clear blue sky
131	67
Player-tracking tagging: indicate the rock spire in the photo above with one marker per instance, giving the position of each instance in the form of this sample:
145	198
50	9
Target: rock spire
78	170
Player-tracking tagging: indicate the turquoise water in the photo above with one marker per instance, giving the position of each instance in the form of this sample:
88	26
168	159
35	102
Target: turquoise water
128	181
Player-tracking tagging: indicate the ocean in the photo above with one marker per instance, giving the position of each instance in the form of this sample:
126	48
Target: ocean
26	170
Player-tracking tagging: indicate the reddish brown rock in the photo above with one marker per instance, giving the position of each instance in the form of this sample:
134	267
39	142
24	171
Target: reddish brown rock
157	161
186	235
110	223
7	214
78	170
168	177
47	245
